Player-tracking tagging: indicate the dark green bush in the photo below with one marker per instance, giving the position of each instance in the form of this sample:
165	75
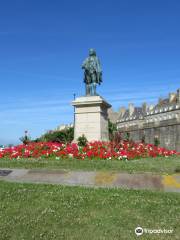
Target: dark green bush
156	141
143	138
127	136
82	141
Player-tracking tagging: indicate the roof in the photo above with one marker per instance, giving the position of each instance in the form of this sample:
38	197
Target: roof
137	114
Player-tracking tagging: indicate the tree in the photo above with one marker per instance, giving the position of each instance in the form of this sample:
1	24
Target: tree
112	129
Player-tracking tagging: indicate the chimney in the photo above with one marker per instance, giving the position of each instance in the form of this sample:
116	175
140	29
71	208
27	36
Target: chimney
151	107
172	97
144	107
131	109
160	101
178	95
122	111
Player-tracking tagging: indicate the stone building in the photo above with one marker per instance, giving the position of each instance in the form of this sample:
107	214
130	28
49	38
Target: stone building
161	121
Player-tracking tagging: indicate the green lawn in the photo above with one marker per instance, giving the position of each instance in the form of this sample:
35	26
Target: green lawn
35	211
157	165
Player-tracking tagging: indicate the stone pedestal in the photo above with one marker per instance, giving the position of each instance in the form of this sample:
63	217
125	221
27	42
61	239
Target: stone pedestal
91	118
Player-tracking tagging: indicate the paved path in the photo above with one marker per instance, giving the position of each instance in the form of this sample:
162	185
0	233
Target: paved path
169	183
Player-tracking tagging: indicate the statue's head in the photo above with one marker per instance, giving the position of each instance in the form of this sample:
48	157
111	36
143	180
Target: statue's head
92	52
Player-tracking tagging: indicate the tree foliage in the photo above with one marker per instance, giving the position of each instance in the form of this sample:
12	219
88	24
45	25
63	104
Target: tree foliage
66	135
112	129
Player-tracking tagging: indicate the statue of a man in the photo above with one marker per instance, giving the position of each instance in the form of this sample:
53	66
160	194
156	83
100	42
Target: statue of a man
92	72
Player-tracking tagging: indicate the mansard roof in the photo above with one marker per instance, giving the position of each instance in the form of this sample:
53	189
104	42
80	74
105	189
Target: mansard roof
164	105
137	114
163	102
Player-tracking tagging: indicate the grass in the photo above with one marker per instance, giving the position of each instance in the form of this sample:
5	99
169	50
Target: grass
35	211
156	165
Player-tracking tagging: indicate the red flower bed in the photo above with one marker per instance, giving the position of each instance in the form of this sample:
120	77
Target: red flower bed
100	150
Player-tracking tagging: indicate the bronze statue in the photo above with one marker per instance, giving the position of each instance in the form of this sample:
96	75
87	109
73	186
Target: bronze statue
92	73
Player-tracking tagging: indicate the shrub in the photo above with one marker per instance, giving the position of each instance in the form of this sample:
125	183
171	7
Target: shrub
156	141
143	138
82	141
127	136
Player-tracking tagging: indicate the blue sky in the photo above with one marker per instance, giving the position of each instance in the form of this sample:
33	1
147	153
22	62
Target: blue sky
43	43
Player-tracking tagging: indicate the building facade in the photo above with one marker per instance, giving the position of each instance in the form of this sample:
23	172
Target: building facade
147	123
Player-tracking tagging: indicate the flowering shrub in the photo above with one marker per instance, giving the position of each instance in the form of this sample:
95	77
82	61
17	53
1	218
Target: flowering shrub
100	150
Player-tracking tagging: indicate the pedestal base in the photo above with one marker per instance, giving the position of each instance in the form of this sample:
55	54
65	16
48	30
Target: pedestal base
91	118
